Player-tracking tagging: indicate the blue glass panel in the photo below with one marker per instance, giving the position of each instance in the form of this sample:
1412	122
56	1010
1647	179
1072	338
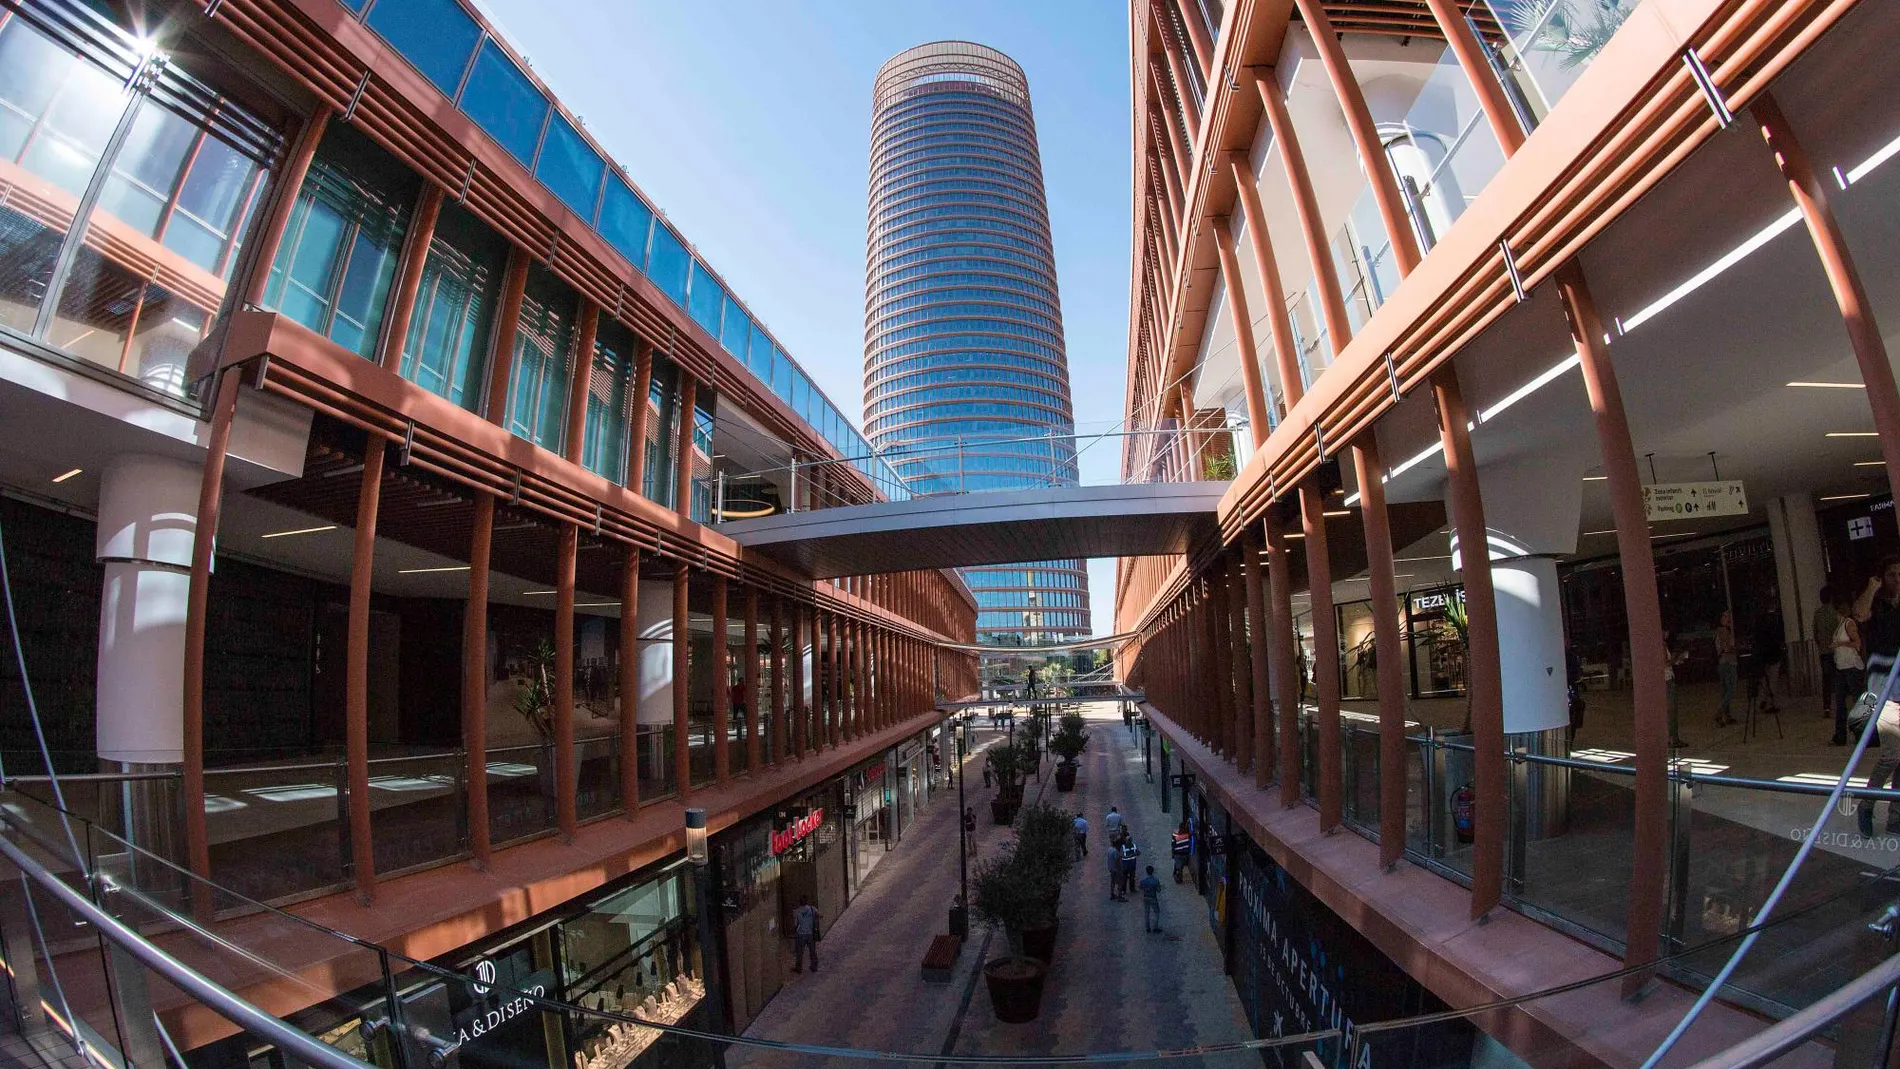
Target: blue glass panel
435	35
782	372
758	355
624	222
355	6
706	299
667	264
570	168
733	329
502	101
801	395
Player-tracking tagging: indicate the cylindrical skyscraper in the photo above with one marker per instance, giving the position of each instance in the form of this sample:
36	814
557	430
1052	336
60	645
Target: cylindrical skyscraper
966	381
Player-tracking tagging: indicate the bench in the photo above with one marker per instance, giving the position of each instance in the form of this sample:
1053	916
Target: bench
941	958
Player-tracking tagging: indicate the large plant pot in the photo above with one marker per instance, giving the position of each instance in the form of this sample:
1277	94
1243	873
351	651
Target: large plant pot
1003	811
1015	985
1040	943
1065	777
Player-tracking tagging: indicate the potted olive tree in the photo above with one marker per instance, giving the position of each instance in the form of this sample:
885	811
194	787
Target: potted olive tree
1070	739
1005	765
1044	855
1006	900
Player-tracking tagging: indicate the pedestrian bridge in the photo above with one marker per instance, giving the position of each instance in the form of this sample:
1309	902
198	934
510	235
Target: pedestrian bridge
1041	703
1002	527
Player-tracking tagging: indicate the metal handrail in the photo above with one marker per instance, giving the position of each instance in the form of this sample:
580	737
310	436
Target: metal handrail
1792	1031
227	1005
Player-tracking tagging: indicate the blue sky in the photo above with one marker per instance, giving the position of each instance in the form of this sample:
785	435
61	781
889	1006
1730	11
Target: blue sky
748	123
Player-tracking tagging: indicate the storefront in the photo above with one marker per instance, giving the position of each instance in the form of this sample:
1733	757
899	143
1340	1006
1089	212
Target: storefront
629	948
764	867
868	816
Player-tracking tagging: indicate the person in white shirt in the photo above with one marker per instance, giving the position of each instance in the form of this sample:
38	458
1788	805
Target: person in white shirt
1081	836
1113	822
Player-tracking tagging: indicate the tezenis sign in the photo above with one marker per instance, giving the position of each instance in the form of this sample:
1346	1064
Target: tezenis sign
805	825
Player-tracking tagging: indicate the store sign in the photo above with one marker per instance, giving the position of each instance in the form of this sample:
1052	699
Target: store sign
1437	600
496	1009
1860	527
785	840
1694	501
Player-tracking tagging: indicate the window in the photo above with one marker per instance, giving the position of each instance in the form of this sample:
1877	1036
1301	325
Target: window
800	398
502	101
434	35
455	308
734	329
759	354
705	300
604	438
782	372
668	263
624	222
537	391
656	482
340	249
570	168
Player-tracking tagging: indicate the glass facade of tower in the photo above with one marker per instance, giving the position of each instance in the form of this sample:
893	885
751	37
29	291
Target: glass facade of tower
966	381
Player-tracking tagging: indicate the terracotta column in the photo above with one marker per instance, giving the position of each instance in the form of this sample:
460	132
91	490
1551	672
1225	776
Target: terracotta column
475	676
1240	731
1285	353
1648	656
563	711
721	689
270	233
777	640
1165	101
356	670
1484	674
1214	679
1199	34
1248	356
682	667
1365	135
754	746
1319	578
1227	707
800	710
1261	751
637	417
501	347
630	680
1382	588
580	372
1319	252
835	709
203	541
1484	79
1281	663
402	296
683	447
1857	314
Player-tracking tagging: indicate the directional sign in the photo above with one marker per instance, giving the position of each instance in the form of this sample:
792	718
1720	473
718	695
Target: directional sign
1694	501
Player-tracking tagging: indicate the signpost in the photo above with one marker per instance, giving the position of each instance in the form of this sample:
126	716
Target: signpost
1694	501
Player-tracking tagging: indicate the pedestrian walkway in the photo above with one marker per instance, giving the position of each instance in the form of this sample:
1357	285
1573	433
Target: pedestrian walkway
1112	986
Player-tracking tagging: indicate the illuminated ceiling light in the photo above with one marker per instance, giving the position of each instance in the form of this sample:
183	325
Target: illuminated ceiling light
431	571
596	604
68	475
1337	512
302	531
1703	277
1870	463
1595	478
1550	375
1842	497
1611	530
1853	434
1294	534
1831	385
1442	556
528	592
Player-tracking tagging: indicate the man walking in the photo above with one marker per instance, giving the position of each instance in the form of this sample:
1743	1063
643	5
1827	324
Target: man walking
1130	854
1081	836
1182	847
1112	823
1150	902
804	935
969	829
1115	867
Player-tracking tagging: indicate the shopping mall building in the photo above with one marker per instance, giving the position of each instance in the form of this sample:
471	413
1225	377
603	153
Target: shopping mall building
1599	287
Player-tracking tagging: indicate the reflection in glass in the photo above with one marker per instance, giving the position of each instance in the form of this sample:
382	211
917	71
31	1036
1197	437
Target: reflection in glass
448	331
537	392
570	168
435	35
657	479
340	248
624	222
1549	45
706	300
667	264
604	443
502	101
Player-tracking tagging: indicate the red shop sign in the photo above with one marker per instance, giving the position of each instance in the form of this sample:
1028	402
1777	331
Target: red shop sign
785	840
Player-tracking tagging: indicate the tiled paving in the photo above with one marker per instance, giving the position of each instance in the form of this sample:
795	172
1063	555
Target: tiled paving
1112	987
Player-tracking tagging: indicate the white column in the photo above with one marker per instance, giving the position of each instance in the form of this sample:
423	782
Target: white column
1800	571
1531	514
148	509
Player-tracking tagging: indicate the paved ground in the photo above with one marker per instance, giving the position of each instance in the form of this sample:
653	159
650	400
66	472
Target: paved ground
1112	986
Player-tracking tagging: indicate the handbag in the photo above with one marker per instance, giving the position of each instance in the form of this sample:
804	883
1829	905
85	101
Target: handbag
1860	714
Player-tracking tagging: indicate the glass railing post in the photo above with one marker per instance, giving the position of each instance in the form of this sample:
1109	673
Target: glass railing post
340	776
401	1039
1520	803
459	779
16	942
1681	814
